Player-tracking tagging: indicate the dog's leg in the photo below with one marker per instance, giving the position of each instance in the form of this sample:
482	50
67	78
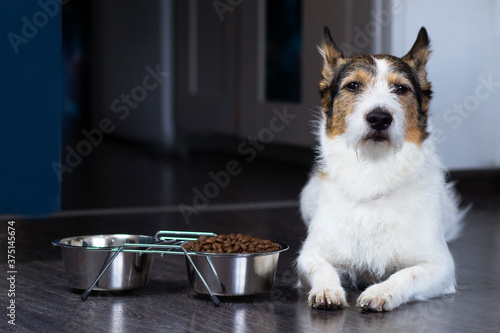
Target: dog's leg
322	278
420	282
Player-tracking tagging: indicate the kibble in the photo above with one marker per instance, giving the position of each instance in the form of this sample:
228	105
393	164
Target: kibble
232	243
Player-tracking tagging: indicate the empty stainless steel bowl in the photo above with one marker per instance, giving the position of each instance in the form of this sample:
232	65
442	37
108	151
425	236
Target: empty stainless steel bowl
234	274
85	256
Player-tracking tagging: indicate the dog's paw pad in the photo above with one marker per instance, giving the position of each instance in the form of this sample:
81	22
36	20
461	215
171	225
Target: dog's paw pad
378	301
327	299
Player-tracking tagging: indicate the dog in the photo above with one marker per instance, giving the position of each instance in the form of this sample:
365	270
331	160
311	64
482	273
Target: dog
377	205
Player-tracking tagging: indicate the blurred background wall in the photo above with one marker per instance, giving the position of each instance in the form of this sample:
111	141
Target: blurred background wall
31	89
181	76
219	56
465	73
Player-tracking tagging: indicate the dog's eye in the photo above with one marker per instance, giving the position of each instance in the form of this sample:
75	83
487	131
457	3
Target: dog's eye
353	86
400	89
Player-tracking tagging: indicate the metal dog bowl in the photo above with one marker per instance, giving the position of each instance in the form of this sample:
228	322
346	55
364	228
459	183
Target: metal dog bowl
86	256
229	274
120	262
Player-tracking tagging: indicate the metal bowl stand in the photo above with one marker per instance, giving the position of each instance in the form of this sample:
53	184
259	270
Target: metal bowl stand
169	243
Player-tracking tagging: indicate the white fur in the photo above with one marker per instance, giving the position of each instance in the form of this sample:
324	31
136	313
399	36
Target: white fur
381	219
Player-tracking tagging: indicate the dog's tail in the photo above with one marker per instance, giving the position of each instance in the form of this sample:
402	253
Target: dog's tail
453	218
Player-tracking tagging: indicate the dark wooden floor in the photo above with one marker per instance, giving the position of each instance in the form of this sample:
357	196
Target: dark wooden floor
44	303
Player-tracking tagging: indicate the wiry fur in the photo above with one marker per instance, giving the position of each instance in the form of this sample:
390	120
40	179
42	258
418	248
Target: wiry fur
377	206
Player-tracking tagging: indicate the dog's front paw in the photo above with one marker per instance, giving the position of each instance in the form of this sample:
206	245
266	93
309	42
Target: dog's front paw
377	299
327	299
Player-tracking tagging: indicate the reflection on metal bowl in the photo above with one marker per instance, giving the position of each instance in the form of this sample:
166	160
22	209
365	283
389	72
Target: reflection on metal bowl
234	274
85	256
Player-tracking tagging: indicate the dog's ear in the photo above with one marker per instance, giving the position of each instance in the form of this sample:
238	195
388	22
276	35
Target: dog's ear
419	55
332	58
330	52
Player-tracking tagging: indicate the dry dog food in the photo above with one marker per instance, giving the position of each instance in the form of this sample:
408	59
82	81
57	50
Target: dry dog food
231	244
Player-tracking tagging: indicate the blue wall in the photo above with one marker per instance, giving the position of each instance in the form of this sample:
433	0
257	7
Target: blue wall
30	109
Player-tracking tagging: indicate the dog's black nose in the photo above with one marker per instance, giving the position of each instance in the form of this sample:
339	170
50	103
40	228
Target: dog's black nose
379	119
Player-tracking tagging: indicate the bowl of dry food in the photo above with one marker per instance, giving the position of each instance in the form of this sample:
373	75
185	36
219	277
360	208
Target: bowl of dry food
232	265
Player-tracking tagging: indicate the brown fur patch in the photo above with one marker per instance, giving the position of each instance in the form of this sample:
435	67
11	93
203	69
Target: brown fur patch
416	102
359	76
323	175
413	131
344	103
394	79
343	106
417	59
357	69
330	68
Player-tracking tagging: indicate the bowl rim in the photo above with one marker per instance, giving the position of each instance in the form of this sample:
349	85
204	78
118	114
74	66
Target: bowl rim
58	242
283	248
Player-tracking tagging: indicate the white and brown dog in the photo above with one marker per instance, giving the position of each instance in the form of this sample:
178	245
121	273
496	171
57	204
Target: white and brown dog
377	207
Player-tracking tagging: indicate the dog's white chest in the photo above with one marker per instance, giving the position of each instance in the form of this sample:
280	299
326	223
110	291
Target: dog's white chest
364	240
375	236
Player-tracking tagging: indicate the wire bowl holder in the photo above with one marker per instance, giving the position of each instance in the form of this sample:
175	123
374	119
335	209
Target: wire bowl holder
222	271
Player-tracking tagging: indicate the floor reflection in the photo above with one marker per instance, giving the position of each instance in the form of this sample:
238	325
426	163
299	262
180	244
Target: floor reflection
416	315
312	320
117	318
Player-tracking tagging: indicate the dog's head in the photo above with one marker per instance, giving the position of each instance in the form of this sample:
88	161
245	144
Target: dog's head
377	102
